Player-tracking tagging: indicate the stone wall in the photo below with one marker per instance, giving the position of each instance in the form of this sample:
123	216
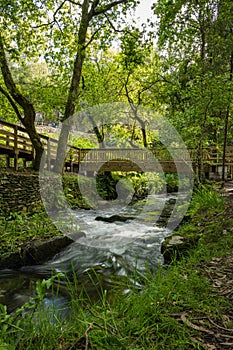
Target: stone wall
19	192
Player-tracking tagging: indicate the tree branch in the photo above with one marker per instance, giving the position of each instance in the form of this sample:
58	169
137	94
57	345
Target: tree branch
105	8
44	25
145	88
92	10
5	93
113	27
75	3
119	30
54	18
134	109
92	37
58	9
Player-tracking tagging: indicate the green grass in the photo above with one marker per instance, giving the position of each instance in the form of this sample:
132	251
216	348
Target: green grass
19	228
205	198
137	320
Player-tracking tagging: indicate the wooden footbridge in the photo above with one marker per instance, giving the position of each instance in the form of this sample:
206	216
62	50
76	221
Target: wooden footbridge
16	150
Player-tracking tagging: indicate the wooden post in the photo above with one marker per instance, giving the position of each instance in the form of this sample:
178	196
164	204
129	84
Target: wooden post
16	151
33	154
71	166
48	155
71	160
7	140
8	163
79	158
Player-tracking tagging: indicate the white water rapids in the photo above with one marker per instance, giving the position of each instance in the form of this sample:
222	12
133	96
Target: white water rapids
112	249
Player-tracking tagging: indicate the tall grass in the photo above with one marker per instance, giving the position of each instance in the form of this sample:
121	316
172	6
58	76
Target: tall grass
143	319
205	198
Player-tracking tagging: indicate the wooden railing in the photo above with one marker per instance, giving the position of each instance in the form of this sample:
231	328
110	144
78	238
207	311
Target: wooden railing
15	143
14	137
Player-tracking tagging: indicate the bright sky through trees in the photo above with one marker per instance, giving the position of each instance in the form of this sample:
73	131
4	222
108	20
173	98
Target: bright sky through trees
144	11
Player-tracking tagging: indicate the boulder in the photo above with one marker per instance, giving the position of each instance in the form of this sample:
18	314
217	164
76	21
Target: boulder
114	218
174	247
35	253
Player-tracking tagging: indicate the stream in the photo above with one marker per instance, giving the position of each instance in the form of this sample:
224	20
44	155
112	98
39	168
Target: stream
114	250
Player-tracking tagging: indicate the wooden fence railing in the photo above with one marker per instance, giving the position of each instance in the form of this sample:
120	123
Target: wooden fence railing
15	143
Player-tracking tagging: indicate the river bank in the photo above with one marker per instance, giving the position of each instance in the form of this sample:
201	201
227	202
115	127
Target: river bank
27	234
185	305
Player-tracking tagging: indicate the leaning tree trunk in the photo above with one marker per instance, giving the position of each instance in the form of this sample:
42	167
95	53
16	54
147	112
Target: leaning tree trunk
16	98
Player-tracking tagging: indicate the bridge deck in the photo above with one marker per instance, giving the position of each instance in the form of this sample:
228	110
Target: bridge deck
15	144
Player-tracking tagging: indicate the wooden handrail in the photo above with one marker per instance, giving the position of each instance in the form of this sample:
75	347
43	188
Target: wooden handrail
15	143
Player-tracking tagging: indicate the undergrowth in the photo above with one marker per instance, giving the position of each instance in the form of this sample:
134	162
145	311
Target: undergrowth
18	228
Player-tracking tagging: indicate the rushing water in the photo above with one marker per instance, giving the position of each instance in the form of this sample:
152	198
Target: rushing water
112	249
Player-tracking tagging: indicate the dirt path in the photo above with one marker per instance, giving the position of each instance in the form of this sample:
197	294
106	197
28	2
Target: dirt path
214	334
218	334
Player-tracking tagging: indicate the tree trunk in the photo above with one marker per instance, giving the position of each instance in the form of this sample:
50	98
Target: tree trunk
87	14
28	120
226	124
200	166
74	88
98	134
